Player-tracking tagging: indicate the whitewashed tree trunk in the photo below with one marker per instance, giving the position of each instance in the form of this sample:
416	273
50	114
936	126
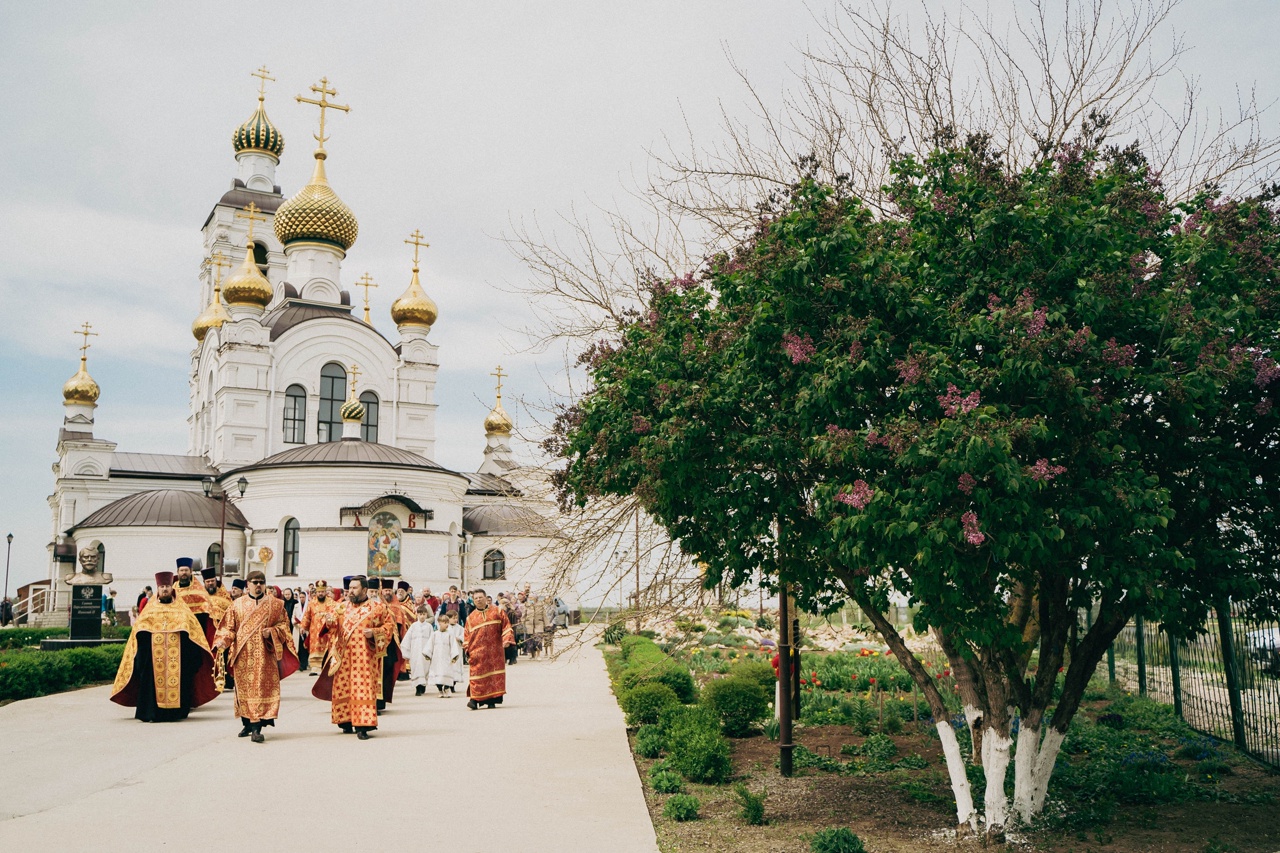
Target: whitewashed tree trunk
959	779
995	763
1032	769
971	715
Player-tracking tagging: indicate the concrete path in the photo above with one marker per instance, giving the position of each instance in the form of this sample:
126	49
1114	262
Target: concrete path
549	770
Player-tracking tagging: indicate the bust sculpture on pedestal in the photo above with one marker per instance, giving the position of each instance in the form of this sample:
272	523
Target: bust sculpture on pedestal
88	574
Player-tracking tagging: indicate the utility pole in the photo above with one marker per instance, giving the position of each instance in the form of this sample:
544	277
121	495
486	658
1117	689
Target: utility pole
637	569
785	746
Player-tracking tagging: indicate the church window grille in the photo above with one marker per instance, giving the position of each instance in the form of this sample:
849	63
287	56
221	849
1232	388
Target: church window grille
333	393
295	415
289	566
102	557
495	565
369	426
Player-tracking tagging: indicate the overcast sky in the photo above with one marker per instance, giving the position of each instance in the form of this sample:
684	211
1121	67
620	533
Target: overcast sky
116	142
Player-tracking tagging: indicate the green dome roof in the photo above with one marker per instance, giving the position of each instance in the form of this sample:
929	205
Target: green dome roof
258	134
352	410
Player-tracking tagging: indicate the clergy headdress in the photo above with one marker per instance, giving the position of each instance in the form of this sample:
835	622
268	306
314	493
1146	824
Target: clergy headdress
321	585
209	573
374	583
238	583
185	562
403	585
346	582
164	579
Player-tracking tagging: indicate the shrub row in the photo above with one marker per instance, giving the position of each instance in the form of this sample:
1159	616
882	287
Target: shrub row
25	674
20	638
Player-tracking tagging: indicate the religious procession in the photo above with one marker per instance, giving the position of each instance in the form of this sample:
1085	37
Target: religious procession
193	641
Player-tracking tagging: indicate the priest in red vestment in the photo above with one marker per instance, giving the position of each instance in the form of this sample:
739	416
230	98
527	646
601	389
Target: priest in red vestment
166	669
383	590
259	641
351	674
485	638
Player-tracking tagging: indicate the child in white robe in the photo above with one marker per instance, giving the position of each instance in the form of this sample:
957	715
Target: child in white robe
414	646
444	654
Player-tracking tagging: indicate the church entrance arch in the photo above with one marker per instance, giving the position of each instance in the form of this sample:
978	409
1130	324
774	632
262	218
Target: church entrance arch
385	537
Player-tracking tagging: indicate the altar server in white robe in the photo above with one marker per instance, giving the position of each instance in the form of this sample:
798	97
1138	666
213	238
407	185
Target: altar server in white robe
414	648
444	651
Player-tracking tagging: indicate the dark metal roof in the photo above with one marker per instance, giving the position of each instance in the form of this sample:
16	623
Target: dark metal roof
239	197
502	519
164	508
347	452
490	484
294	312
161	465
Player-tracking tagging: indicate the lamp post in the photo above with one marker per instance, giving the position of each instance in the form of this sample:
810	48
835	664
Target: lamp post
242	484
7	551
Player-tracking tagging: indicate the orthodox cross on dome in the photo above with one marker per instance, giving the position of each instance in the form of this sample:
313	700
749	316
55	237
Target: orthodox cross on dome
263	76
355	371
323	103
366	281
84	332
218	260
251	214
415	240
498	373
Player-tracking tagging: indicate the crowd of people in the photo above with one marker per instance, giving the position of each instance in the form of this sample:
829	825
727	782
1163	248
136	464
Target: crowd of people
193	640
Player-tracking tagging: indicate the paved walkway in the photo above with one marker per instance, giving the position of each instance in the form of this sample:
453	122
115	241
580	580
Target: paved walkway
548	771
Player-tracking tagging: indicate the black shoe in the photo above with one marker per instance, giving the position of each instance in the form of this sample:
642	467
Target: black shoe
473	705
257	737
346	728
421	691
491	705
245	732
362	735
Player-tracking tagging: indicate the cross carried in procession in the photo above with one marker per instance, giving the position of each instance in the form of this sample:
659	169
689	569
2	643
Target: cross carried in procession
251	214
366	281
84	331
323	103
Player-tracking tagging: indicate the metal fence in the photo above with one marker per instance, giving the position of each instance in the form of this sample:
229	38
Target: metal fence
1224	682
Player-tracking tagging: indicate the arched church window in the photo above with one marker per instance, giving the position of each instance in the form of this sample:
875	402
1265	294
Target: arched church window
369	426
333	393
292	543
102	557
260	257
495	565
295	415
213	557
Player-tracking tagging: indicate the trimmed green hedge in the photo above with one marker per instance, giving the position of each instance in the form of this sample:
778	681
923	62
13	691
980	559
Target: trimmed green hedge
26	674
739	702
19	638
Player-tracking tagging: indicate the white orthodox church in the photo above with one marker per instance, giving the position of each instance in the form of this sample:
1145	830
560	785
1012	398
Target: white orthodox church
311	434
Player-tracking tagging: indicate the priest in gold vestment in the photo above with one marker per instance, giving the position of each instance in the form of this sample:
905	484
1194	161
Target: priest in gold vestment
219	598
192	593
259	641
351	674
166	669
317	627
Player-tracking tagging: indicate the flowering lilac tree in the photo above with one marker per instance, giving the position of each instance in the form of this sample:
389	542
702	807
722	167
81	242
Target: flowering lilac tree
1017	394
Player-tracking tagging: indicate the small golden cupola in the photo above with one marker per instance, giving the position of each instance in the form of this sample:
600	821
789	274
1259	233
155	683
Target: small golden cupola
414	308
352	411
247	286
81	389
216	313
498	422
316	214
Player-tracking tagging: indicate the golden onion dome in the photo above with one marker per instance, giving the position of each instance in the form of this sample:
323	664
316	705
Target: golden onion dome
316	214
258	134
414	307
352	411
212	317
247	285
498	422
80	390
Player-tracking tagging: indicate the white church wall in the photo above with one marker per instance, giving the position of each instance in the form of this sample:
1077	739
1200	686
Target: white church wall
135	554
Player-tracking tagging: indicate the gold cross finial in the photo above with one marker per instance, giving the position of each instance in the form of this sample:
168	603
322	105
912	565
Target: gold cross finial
323	103
498	373
218	260
355	371
263	76
86	334
415	240
366	281
251	214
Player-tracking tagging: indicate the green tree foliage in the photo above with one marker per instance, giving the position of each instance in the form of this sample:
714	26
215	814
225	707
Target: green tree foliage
1016	394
